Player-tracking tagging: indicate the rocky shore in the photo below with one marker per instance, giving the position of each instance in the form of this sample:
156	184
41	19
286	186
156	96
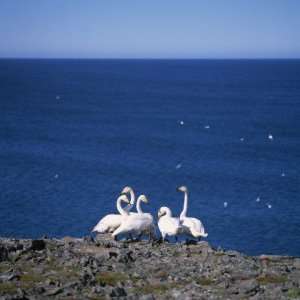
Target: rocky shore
85	268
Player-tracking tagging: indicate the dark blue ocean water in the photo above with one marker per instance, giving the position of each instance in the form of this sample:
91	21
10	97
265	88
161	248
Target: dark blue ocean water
74	132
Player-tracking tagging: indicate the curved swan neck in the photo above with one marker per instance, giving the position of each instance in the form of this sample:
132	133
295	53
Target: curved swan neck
138	205
132	196
120	209
168	212
185	206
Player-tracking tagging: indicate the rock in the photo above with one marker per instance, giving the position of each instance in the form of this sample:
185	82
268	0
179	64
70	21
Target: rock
81	269
3	254
38	245
118	292
53	291
249	287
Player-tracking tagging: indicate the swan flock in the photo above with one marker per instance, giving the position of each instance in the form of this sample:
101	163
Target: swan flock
139	223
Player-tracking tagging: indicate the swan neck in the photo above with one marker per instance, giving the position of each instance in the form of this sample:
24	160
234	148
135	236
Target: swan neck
185	206
132	196
138	206
120	209
169	213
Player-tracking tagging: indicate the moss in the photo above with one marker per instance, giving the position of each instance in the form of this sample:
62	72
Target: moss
97	298
30	278
293	293
4	267
267	279
110	278
156	288
7	288
162	274
176	254
204	281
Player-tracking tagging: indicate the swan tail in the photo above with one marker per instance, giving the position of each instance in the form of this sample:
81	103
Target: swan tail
200	234
100	228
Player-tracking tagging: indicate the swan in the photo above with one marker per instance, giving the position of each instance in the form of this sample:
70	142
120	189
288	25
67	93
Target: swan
192	226
111	222
150	228
168	225
138	222
128	190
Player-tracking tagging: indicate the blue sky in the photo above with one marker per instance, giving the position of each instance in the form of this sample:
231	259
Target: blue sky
150	28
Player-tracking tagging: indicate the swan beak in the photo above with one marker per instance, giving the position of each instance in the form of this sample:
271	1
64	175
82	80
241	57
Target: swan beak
160	214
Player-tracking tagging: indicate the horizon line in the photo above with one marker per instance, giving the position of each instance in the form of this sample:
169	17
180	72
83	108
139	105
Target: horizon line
149	58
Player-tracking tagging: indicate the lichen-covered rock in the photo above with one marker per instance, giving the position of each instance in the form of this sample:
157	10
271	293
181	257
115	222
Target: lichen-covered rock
101	268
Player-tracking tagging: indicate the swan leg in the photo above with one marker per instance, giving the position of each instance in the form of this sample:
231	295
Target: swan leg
151	234
139	236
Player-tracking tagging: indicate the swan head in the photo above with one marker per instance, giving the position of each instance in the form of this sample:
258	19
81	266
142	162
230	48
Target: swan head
127	190
182	188
124	198
143	198
163	211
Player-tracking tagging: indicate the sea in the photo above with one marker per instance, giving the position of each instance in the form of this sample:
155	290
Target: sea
74	132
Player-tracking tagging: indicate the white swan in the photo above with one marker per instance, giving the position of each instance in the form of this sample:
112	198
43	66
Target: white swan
192	226
111	222
150	228
168	225
137	223
128	190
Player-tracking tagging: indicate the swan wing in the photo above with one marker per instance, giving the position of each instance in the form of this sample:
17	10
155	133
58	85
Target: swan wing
194	226
108	223
169	225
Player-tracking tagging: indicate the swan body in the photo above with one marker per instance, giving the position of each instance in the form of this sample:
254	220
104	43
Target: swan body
111	222
168	225
150	227
132	223
136	222
191	226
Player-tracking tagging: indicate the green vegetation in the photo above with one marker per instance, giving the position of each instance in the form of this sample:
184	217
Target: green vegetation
267	279
4	267
110	278
294	293
204	281
156	288
7	288
30	278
